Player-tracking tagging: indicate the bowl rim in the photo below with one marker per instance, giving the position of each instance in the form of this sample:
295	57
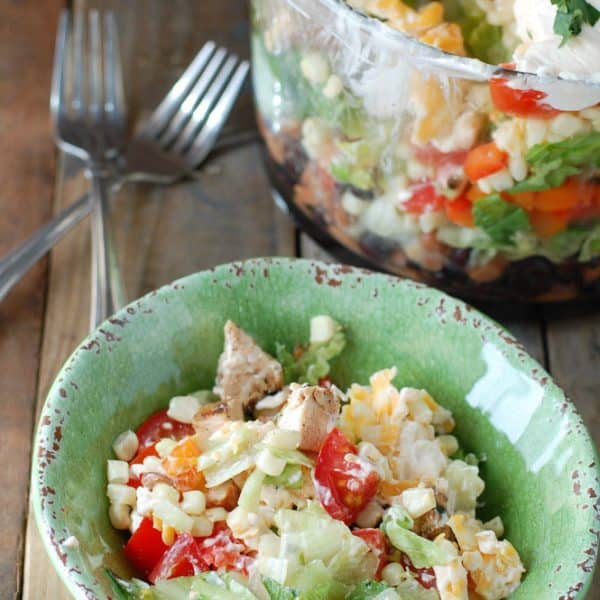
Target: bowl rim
467	67
507	344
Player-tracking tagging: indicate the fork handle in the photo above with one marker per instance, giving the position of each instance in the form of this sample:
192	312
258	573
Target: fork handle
107	288
20	260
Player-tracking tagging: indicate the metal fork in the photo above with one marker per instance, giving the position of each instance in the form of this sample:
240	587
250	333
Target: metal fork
151	155
90	122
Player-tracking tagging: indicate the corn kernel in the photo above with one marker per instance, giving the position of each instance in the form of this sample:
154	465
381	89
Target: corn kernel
183	408
126	445
194	502
164	447
168	535
418	501
315	67
448	444
117	471
393	574
164	491
216	514
121	494
202	526
322	329
172	516
119	516
333	87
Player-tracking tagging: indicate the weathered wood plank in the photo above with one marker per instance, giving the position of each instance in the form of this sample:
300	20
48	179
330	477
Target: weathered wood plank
26	180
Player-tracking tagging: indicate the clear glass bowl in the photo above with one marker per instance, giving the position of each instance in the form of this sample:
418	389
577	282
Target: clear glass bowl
394	154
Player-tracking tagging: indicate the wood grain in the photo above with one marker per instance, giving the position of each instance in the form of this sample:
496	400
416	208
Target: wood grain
26	178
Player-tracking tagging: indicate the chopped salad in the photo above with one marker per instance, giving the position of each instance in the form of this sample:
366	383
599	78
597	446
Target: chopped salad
488	186
278	485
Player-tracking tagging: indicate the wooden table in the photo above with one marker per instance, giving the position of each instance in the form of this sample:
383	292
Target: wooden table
226	213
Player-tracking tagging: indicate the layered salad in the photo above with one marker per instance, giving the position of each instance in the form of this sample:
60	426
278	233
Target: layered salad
278	485
482	179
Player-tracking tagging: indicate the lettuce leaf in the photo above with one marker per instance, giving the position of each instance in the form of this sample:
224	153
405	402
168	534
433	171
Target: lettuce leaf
291	478
367	590
501	220
482	39
590	248
552	163
327	590
314	362
206	586
311	535
277	591
422	552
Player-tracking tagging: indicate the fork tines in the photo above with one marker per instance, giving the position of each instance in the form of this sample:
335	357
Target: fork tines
191	115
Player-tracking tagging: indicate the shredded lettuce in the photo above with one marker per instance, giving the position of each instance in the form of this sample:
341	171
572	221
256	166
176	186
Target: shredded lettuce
250	496
292	457
552	163
205	396
291	478
206	586
325	590
312	535
314	363
422	552
367	590
501	220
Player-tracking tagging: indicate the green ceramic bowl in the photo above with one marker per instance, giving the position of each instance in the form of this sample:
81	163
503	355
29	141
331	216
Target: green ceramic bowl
541	469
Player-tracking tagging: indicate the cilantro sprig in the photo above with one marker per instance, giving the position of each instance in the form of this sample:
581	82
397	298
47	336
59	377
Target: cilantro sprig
571	15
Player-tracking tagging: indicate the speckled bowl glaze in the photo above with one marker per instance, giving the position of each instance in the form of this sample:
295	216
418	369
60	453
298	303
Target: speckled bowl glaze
541	470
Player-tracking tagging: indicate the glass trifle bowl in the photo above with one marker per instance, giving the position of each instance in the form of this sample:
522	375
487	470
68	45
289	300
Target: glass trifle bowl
406	138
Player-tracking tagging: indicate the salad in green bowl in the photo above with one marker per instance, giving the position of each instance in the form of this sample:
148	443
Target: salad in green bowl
278	485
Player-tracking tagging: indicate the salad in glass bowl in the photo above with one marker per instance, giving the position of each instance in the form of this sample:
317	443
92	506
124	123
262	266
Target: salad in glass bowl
454	142
278	485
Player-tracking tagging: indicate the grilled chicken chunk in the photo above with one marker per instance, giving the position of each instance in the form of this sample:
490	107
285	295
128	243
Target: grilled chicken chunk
311	410
245	373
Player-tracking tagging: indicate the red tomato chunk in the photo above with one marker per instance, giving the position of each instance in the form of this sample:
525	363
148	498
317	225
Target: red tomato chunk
344	486
160	425
145	547
182	559
521	103
375	539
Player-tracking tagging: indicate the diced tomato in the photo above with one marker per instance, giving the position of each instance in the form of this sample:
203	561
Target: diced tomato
344	485
521	103
222	550
484	160
375	539
182	559
460	211
160	425
426	577
145	547
547	224
424	199
325	382
138	459
181	466
430	155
